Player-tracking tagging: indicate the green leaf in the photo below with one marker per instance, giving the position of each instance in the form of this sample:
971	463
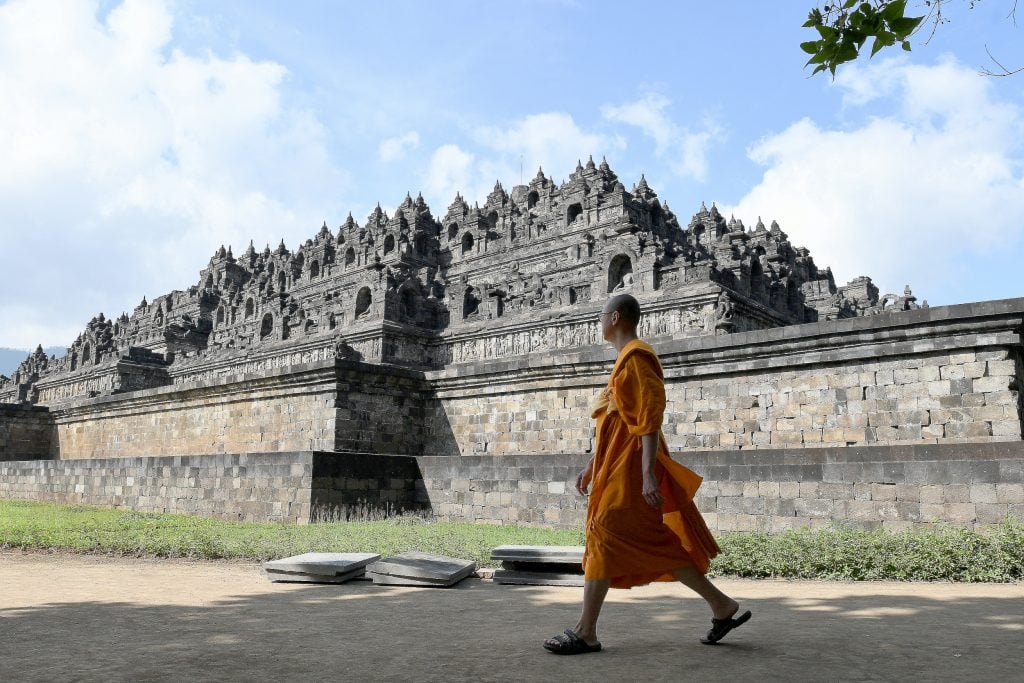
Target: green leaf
847	52
894	10
906	45
811	46
904	26
827	32
877	47
849	3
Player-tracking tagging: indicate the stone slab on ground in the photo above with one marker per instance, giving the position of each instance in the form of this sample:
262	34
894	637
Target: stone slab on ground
414	568
325	564
298	577
523	578
561	554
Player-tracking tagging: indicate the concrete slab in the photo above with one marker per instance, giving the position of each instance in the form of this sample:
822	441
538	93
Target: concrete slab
539	553
297	577
385	580
414	568
521	578
326	564
556	567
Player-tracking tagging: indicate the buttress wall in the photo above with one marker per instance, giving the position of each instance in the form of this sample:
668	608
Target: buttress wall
940	375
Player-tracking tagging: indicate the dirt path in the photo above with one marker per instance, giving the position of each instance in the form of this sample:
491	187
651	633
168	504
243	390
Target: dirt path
82	618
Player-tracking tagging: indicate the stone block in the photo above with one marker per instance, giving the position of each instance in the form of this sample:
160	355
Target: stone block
526	578
932	494
789	489
538	553
420	569
730	488
992	384
883	492
968	429
996	368
991	513
325	564
1006	428
813	508
1009	493
299	577
835	491
984	493
908	493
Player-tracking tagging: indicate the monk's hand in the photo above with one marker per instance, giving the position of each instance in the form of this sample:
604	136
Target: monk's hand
583	479
652	492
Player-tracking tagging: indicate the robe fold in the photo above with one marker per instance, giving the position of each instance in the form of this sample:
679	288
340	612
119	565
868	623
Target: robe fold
629	542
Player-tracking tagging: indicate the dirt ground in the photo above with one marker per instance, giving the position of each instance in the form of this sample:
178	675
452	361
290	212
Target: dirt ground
84	618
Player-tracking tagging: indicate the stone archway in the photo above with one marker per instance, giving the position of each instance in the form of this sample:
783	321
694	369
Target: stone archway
620	273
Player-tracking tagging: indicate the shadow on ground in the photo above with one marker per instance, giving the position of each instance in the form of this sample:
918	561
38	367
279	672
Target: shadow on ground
482	631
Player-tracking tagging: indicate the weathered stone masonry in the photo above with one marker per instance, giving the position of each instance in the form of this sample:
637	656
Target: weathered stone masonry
938	375
468	345
26	433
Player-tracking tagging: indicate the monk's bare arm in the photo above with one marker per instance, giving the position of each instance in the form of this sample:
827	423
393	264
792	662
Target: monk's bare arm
651	492
584	478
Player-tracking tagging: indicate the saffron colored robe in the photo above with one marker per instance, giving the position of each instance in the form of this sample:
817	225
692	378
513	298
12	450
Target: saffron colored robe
629	542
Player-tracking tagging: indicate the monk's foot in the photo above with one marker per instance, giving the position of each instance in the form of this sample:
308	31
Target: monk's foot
726	609
570	643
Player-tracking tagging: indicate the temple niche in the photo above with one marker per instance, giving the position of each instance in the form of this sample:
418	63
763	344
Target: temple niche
525	271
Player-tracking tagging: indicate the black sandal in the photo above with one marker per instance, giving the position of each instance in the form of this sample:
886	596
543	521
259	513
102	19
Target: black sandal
569	643
720	627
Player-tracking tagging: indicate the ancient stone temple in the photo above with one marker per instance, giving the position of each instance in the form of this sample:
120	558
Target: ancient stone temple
466	348
521	274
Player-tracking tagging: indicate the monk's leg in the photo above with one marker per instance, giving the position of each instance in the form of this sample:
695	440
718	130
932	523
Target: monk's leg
722	606
594	593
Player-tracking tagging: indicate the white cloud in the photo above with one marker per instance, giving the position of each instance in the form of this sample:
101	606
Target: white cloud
552	140
510	154
395	148
450	170
684	150
911	196
126	160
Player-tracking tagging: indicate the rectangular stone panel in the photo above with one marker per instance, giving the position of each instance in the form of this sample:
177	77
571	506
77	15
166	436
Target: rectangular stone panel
414	568
512	576
298	577
324	564
564	554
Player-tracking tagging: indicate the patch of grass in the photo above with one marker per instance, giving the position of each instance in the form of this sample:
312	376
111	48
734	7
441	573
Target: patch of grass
26	524
940	554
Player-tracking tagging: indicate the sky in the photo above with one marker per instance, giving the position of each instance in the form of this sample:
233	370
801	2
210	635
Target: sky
137	136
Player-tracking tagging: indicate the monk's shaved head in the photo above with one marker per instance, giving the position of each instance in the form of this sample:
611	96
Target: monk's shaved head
628	308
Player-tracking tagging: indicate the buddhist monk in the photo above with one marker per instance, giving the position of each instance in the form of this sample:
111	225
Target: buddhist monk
642	524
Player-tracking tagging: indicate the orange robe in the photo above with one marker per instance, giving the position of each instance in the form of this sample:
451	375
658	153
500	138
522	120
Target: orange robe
629	542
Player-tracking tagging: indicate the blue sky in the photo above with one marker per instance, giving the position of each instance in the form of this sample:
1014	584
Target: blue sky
140	135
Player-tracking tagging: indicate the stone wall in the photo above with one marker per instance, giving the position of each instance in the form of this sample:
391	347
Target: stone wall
891	487
246	486
938	375
255	487
26	433
327	405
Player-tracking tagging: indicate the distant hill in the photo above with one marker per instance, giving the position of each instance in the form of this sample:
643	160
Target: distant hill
10	358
